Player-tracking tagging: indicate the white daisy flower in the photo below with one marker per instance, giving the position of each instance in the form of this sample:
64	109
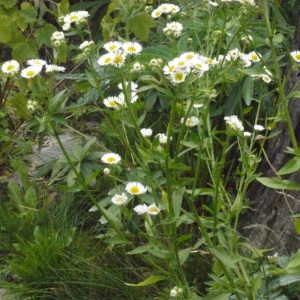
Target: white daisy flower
111	158
174	8
119	58
296	55
258	127
10	67
112	101
169	68
106	59
58	35
39	63
247	134
86	44
133	85
174	26
119	199
112	46
30	71
132	47
190	121
234	123
253	56
141	209
146	132
76	16
54	68
135	188
152	209
162	138
156	13
133	97
66	26
198	105
178	76
165	8
266	78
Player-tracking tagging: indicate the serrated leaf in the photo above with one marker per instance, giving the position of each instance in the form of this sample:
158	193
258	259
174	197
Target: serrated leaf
8	4
5	32
291	166
149	281
140	25
43	35
108	25
278	183
24	50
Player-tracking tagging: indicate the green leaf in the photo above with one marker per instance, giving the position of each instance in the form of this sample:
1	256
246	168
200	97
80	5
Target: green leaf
149	281
278	183
63	8
43	35
177	197
8	4
295	94
183	255
291	166
159	51
140	249
140	25
288	279
217	295
297	226
5	32
24	50
247	90
229	260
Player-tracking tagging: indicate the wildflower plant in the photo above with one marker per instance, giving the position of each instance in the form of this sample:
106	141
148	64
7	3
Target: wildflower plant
174	112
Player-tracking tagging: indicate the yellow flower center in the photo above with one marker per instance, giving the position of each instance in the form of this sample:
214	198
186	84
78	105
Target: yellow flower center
134	190
107	60
254	57
178	77
181	63
297	56
189	122
30	73
73	18
118	59
153	210
112	103
131	49
189	56
10	67
112	47
111	159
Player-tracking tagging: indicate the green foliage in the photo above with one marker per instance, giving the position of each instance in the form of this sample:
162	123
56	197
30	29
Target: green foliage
159	213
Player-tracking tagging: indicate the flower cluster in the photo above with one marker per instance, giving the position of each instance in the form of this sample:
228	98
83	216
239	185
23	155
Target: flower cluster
190	121
151	209
175	291
165	8
186	63
58	38
117	53
34	67
75	17
173	28
120	100
234	123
